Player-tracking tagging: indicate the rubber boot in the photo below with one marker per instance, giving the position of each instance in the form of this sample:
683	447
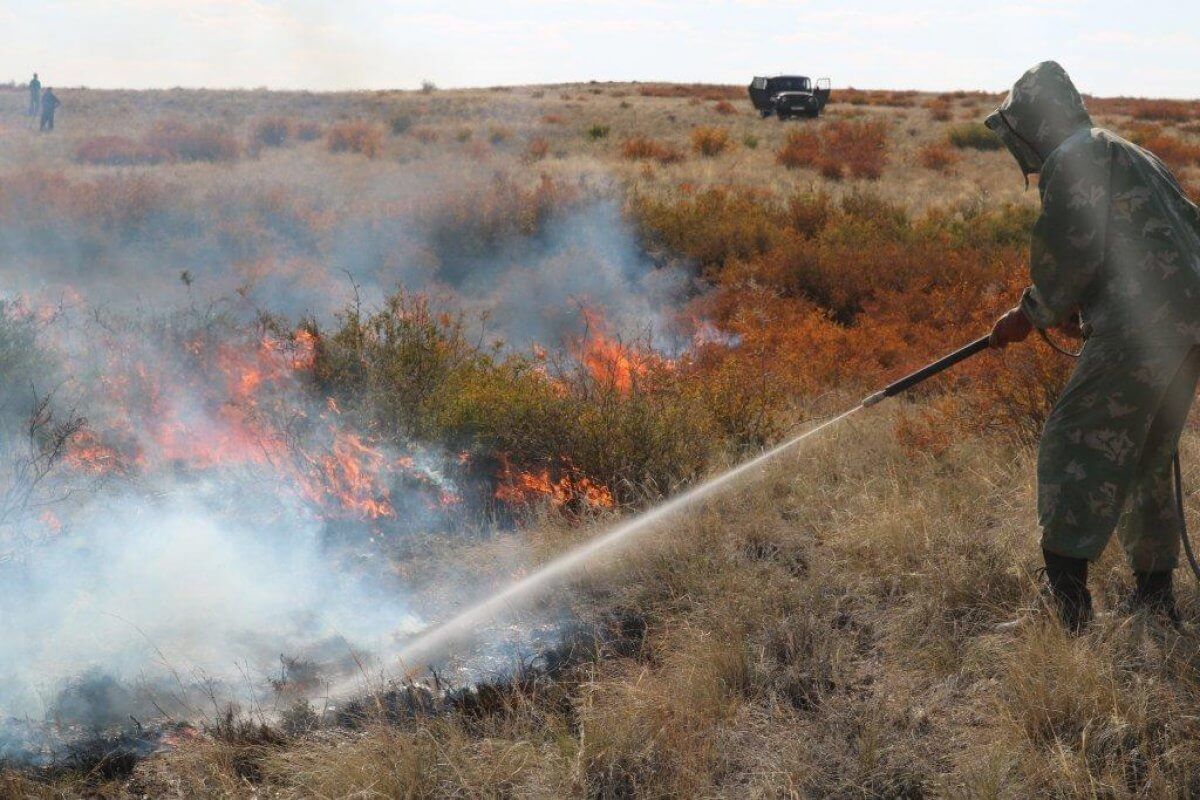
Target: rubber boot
1153	593
1068	586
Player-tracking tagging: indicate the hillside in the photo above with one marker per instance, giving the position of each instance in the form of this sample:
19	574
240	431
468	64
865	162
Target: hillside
362	358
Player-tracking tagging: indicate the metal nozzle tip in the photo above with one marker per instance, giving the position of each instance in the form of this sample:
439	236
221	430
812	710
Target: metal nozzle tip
873	399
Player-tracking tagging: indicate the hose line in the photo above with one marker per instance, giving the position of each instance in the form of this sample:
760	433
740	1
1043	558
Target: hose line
1177	469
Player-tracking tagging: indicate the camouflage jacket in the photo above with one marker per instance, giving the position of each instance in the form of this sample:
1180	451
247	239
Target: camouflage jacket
1117	238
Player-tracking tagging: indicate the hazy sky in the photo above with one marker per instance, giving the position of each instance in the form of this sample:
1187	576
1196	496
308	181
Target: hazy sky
1146	48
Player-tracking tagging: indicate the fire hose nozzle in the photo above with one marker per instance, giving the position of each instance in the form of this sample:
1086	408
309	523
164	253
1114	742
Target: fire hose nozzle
871	400
928	371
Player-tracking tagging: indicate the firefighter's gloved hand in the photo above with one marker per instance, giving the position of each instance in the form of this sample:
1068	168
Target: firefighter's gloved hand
1013	327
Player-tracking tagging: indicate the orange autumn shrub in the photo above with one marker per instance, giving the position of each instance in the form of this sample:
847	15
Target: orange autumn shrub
643	148
725	108
940	109
855	147
1176	153
184	142
1164	110
359	136
937	157
801	148
700	91
822	295
841	148
710	141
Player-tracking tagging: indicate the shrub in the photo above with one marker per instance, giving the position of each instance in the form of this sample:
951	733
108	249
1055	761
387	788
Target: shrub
938	157
725	108
857	146
428	87
463	135
697	91
427	135
801	148
117	151
940	109
711	227
270	132
643	148
498	134
710	141
183	142
873	97
1165	110
1176	153
553	119
597	131
974	135
355	137
750	141
400	123
307	131
539	146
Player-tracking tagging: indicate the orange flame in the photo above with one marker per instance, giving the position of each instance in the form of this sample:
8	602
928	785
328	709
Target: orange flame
609	361
526	488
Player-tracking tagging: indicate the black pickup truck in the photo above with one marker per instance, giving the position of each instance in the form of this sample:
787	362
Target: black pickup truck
789	96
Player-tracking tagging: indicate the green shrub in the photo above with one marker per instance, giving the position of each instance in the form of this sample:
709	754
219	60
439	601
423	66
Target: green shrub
598	131
974	135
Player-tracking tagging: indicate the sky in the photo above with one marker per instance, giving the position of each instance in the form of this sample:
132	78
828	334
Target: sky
1110	48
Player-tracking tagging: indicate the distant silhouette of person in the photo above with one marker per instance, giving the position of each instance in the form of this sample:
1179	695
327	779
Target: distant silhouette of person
35	95
49	103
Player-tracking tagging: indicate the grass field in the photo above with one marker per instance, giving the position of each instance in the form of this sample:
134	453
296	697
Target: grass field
828	630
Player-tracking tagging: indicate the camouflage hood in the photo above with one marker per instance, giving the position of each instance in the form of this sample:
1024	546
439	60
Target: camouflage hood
1041	111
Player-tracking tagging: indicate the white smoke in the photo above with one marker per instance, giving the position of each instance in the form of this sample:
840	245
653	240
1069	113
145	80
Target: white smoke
182	585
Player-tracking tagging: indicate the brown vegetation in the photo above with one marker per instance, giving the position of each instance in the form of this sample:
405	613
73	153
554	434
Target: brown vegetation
639	148
355	137
271	132
710	141
856	148
114	151
184	142
938	157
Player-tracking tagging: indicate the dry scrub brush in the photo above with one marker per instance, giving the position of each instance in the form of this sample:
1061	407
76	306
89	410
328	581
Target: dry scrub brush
710	141
360	137
855	148
638	148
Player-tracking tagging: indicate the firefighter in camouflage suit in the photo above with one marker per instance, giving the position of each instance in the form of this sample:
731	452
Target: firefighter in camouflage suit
1117	243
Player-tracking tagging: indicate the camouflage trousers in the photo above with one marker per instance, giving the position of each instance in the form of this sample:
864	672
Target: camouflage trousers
1105	457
